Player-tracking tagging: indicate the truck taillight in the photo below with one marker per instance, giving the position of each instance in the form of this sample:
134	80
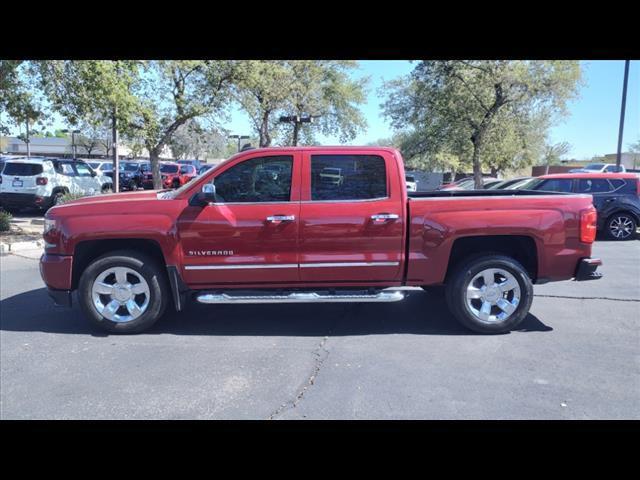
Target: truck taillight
42	180
588	225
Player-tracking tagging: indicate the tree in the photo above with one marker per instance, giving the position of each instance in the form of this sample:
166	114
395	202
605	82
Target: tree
192	140
483	103
174	92
20	99
92	90
323	90
262	91
95	134
553	152
634	147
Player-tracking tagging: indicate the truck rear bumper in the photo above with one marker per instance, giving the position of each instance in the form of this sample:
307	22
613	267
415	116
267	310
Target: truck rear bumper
587	269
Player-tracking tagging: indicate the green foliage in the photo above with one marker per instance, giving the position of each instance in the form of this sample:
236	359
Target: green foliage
322	89
172	92
262	89
634	147
69	197
492	114
5	221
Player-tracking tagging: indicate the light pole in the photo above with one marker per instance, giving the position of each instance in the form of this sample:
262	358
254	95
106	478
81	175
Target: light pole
73	141
240	138
622	109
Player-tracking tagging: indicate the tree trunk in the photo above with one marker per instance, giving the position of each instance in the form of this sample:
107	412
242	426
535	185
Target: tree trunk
546	168
477	168
114	145
154	157
28	142
265	138
494	172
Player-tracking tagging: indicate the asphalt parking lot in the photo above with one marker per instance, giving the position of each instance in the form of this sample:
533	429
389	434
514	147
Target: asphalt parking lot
576	356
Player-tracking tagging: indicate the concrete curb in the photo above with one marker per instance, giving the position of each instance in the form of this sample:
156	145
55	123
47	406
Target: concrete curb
6	248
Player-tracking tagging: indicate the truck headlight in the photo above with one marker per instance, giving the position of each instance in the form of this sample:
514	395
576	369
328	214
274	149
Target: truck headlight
49	224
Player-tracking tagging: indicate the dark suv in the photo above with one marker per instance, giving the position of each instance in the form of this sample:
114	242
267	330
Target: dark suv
616	197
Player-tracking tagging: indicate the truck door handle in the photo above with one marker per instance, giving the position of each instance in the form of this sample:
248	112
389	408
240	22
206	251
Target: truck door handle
383	217
281	218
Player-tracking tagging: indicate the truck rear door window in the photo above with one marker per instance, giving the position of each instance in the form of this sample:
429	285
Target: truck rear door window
262	179
348	177
22	169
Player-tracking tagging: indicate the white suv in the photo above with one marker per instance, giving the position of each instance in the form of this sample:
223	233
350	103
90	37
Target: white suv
40	182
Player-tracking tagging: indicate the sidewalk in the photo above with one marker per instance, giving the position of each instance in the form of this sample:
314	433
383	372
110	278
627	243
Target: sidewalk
24	238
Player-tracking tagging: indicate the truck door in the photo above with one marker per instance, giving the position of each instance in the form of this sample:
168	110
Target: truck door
352	218
250	235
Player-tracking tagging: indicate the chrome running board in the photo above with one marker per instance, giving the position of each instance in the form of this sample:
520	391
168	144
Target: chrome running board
353	296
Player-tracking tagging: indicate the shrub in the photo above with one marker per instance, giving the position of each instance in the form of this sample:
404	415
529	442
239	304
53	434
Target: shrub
5	219
68	197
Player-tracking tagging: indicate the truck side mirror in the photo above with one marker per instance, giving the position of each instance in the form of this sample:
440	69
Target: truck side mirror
206	195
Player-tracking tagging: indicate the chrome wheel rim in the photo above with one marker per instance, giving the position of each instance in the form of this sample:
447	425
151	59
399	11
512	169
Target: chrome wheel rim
120	294
493	295
621	227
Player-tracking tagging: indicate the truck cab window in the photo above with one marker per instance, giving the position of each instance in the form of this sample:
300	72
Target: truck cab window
348	177
262	179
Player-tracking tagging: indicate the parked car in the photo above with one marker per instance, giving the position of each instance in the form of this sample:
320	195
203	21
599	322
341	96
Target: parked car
173	174
468	184
331	176
130	175
412	183
490	183
600	168
101	167
41	182
233	236
616	197
507	183
195	163
205	168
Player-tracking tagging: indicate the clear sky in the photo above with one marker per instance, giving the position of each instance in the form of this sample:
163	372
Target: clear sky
591	126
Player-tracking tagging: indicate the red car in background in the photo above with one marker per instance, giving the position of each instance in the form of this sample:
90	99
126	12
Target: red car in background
173	175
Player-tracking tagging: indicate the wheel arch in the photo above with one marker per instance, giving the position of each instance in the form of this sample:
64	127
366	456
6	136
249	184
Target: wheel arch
87	251
521	248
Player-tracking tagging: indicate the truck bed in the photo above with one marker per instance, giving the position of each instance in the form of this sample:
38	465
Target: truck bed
481	193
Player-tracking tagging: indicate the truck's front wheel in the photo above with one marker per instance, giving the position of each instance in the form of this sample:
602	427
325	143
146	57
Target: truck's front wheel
490	294
123	292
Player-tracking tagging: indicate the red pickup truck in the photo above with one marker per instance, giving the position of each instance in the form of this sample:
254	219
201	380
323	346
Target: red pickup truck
313	224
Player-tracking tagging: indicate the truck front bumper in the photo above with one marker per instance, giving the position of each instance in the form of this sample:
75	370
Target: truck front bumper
587	269
61	298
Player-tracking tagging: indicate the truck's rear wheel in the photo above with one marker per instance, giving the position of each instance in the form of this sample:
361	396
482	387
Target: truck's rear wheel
123	292
490	294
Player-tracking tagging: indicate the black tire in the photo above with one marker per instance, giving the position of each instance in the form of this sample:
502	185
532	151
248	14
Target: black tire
460	278
176	184
55	199
614	221
142	264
